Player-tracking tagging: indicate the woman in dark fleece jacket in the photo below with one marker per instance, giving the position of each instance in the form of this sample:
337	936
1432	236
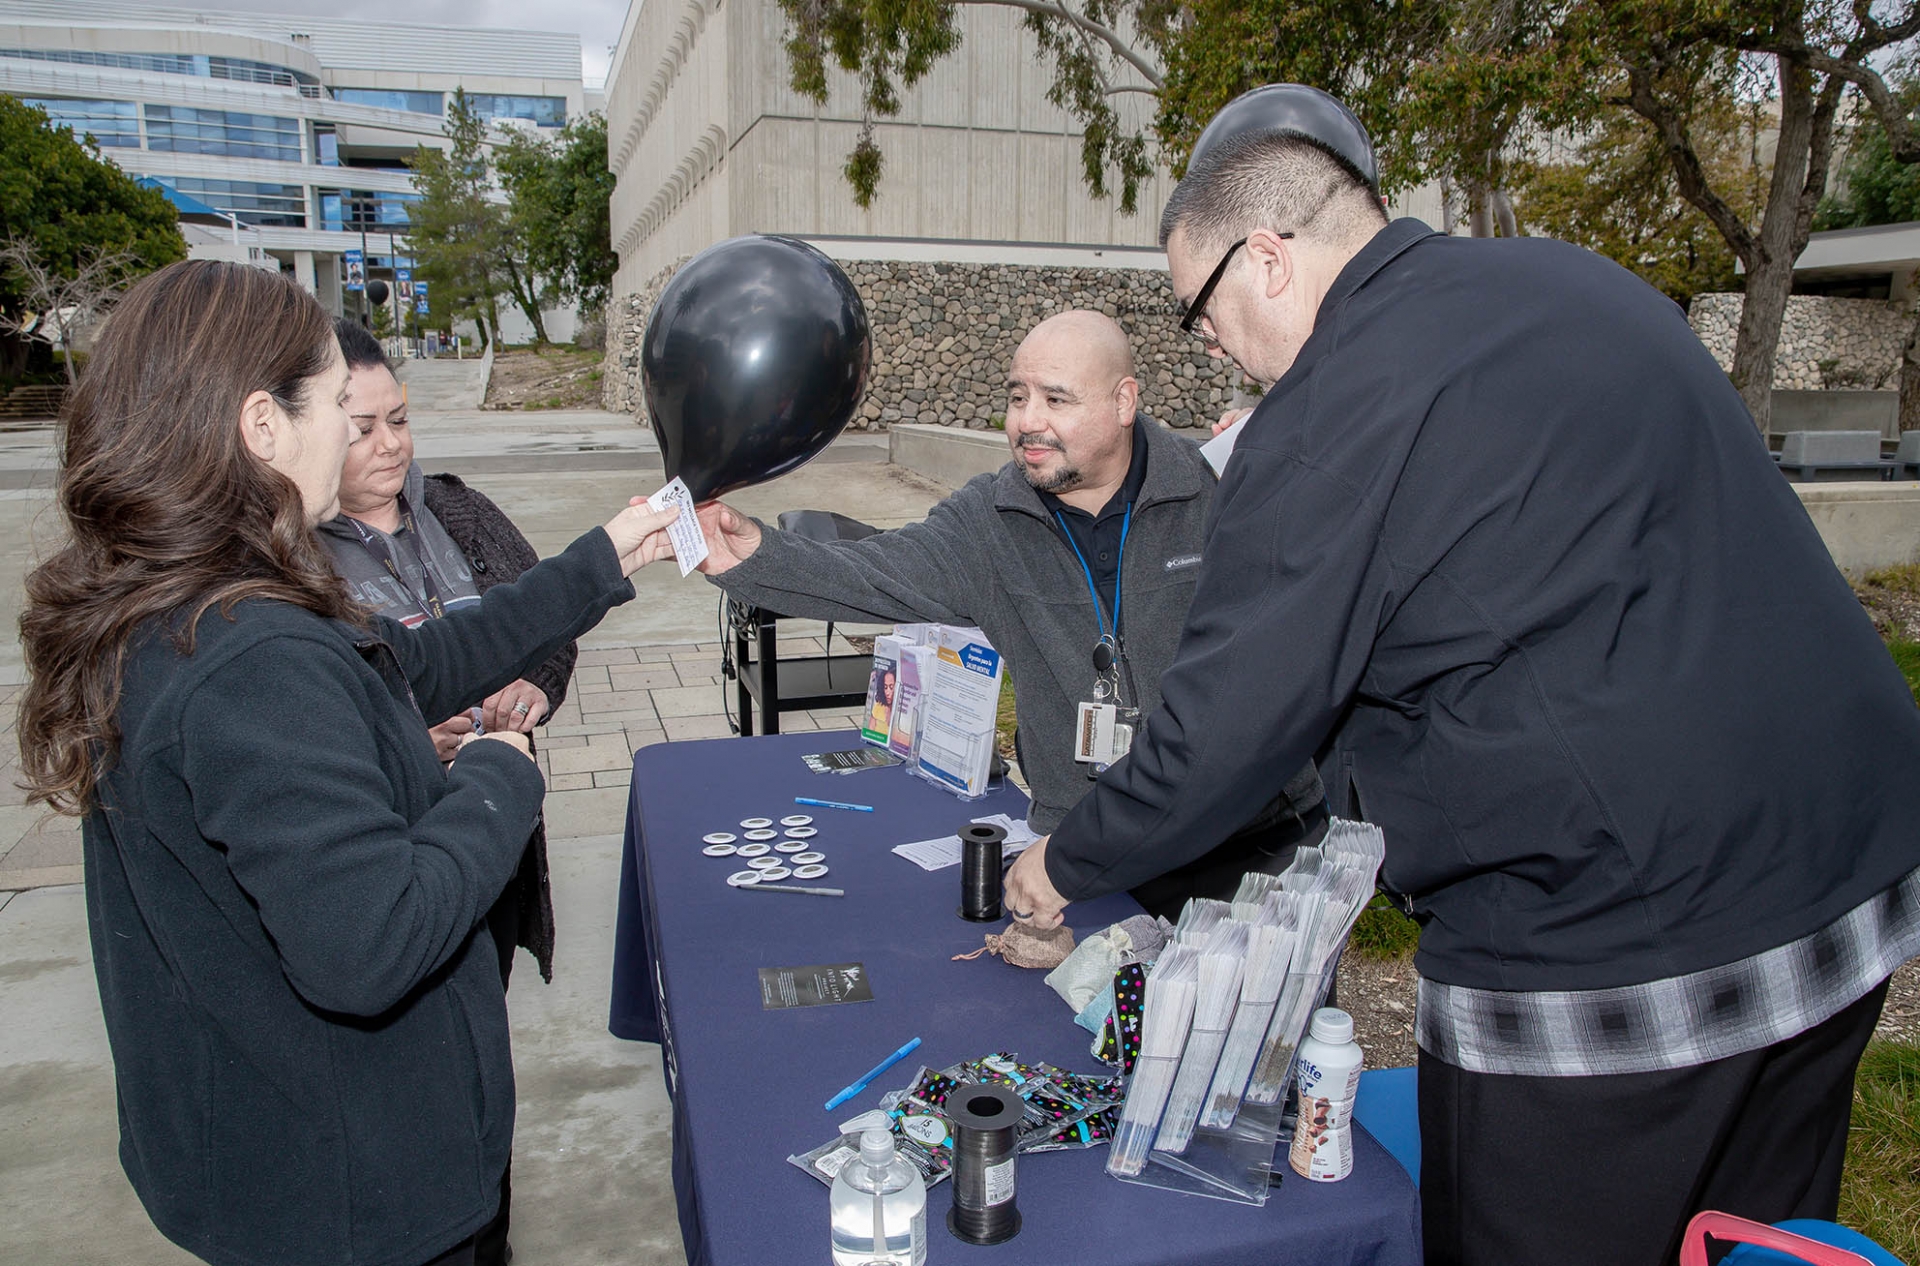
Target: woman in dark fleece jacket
285	886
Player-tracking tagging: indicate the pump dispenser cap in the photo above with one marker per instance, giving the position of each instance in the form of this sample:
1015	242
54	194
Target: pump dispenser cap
1332	1026
876	1146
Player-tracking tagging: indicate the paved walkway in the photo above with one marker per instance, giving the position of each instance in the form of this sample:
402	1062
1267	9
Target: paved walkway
592	1151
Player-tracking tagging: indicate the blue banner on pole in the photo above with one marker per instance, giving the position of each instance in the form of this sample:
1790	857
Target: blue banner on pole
356	270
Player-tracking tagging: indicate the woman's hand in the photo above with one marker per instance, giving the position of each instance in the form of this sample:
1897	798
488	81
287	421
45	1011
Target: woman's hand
518	742
639	535
520	706
449	736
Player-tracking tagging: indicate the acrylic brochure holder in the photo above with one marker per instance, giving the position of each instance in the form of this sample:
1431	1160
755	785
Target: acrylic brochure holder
958	709
1225	1010
1235	1162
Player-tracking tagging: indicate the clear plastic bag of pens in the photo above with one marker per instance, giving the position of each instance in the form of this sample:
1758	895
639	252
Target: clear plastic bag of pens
1224	1009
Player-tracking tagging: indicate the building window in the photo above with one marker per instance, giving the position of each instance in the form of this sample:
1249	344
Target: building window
326	145
391	99
542	111
112	124
238	69
186	130
274	206
354	210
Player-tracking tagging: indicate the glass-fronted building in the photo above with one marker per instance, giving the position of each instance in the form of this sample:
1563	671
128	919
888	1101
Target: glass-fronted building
297	129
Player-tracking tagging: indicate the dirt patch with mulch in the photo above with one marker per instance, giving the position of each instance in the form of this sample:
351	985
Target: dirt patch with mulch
549	378
1379	995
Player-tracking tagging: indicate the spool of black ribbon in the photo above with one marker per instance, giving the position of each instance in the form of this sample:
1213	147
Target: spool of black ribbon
980	872
983	1119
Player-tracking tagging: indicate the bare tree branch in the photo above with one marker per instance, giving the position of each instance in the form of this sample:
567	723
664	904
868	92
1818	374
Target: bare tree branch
1687	169
58	307
1053	9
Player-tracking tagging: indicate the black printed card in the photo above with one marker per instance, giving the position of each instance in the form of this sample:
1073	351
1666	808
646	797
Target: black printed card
818	986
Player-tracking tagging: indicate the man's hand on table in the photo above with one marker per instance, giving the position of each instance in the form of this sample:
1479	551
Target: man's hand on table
1030	894
731	537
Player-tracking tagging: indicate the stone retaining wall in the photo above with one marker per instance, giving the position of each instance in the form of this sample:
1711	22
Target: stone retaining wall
943	335
1824	343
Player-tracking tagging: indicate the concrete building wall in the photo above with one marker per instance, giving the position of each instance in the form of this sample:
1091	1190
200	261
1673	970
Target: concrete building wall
668	135
710	141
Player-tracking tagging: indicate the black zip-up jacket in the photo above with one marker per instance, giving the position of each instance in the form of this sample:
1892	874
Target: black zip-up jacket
283	890
1506	537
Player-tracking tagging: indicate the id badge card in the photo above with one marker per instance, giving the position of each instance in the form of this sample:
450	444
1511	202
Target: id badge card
1102	733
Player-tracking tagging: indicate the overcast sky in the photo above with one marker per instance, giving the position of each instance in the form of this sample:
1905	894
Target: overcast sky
597	22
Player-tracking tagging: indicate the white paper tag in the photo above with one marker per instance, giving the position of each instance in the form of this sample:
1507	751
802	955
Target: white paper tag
1220	447
689	542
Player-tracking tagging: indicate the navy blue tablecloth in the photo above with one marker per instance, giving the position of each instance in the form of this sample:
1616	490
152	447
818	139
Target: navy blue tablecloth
748	1084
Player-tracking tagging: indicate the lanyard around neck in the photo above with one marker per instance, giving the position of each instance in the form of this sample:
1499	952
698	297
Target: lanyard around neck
1119	572
379	547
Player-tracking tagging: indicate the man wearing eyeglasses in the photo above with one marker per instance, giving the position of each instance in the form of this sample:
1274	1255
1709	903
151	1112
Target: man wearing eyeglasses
1501	544
1077	560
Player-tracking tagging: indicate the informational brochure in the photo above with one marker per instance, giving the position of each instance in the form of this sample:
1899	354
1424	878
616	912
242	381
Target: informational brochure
820	985
883	688
960	706
916	669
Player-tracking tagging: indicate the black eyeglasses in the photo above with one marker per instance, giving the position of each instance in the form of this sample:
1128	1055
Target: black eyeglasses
1199	305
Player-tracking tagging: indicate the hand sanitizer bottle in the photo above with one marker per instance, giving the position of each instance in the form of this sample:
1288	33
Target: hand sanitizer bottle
879	1208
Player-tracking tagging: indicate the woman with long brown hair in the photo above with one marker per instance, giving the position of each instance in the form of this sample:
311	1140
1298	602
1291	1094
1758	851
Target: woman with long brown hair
283	882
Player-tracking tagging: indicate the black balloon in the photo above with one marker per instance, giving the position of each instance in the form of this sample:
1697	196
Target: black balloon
754	359
1307	112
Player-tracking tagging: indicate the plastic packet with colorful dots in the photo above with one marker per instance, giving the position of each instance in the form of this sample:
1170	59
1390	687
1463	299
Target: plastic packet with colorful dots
1119	1041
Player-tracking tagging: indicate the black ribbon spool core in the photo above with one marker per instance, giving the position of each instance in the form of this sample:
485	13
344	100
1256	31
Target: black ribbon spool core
980	872
984	1120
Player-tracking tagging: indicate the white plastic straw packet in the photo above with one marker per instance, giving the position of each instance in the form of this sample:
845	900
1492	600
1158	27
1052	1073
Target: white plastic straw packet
1221	965
1168	1013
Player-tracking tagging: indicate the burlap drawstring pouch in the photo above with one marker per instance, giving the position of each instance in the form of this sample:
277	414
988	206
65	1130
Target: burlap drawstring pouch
1025	946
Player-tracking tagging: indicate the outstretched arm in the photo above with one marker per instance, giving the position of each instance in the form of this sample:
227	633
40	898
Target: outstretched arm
931	570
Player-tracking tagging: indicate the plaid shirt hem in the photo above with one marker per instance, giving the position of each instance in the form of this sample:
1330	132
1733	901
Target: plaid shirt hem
1681	1021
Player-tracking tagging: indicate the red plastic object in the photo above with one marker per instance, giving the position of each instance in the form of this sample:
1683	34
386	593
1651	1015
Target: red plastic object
1725	1226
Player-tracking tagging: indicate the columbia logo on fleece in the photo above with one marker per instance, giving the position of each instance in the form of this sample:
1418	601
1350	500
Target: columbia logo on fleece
1183	562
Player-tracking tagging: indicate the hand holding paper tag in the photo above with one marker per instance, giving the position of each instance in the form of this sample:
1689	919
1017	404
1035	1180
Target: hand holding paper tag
689	542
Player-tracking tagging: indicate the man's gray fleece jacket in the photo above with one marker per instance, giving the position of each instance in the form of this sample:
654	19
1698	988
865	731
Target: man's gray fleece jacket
990	555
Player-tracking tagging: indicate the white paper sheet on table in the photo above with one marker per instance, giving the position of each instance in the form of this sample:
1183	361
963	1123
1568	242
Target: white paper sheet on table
938	854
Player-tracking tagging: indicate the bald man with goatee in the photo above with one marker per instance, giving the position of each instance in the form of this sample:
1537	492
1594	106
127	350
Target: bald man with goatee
1090	537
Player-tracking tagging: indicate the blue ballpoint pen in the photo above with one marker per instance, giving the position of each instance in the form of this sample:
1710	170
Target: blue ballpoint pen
879	1068
833	804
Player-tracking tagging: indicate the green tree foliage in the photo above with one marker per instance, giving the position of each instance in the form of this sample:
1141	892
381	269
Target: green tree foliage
1455	90
1875	186
462	235
74	207
1615	194
560	193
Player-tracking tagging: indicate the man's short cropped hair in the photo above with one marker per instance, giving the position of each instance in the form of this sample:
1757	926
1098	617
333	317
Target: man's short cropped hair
1270	180
358	345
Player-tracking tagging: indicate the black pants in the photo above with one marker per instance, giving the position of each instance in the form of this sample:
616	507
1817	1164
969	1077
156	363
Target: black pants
1570	1171
1267	848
